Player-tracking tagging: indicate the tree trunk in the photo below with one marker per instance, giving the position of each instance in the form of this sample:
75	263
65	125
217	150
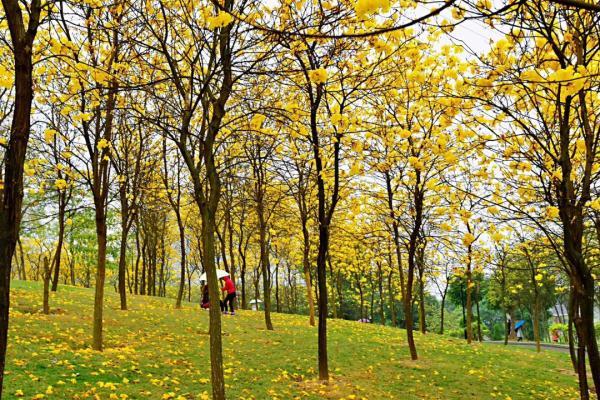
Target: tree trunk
61	236
571	337
72	269
243	279
469	306
513	333
321	277
216	354
137	261
264	258
443	306
507	329
362	298
97	343
277	300
587	324
380	279
392	299
422	323
581	365
123	247
479	335
145	260
306	270
23	276
14	157
412	254
47	276
183	260
536	321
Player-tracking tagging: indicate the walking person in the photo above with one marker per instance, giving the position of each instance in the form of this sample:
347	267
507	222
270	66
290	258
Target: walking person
205	298
519	334
229	287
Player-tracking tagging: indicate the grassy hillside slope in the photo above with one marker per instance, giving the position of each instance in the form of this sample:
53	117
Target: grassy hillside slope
156	352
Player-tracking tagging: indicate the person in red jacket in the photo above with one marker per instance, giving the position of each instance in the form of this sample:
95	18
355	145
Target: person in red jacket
229	287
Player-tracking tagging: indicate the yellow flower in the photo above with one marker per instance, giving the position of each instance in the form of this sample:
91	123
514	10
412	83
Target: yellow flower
60	184
365	7
552	212
595	204
102	144
220	20
318	76
468	239
49	135
257	121
539	277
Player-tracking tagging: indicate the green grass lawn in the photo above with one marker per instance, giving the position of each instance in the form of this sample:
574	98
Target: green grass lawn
156	352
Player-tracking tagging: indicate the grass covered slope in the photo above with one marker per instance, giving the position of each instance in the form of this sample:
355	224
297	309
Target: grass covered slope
156	352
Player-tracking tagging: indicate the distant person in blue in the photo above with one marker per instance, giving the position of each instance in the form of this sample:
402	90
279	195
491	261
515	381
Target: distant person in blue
519	331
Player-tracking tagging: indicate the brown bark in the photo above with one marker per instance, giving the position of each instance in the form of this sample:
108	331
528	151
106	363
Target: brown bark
183	260
306	270
265	266
47	276
395	231
97	343
392	300
100	188
125	225
469	295
412	261
381	301
62	204
22	38
421	272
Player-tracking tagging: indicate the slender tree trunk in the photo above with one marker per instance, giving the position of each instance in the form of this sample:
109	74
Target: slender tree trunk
264	257
443	308
145	261
22	256
479	335
97	343
277	300
513	333
392	300
422	323
306	270
321	278
72	269
381	301
183	260
412	255
61	237
123	247
536	321
507	329
362	298
469	307
47	277
243	279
